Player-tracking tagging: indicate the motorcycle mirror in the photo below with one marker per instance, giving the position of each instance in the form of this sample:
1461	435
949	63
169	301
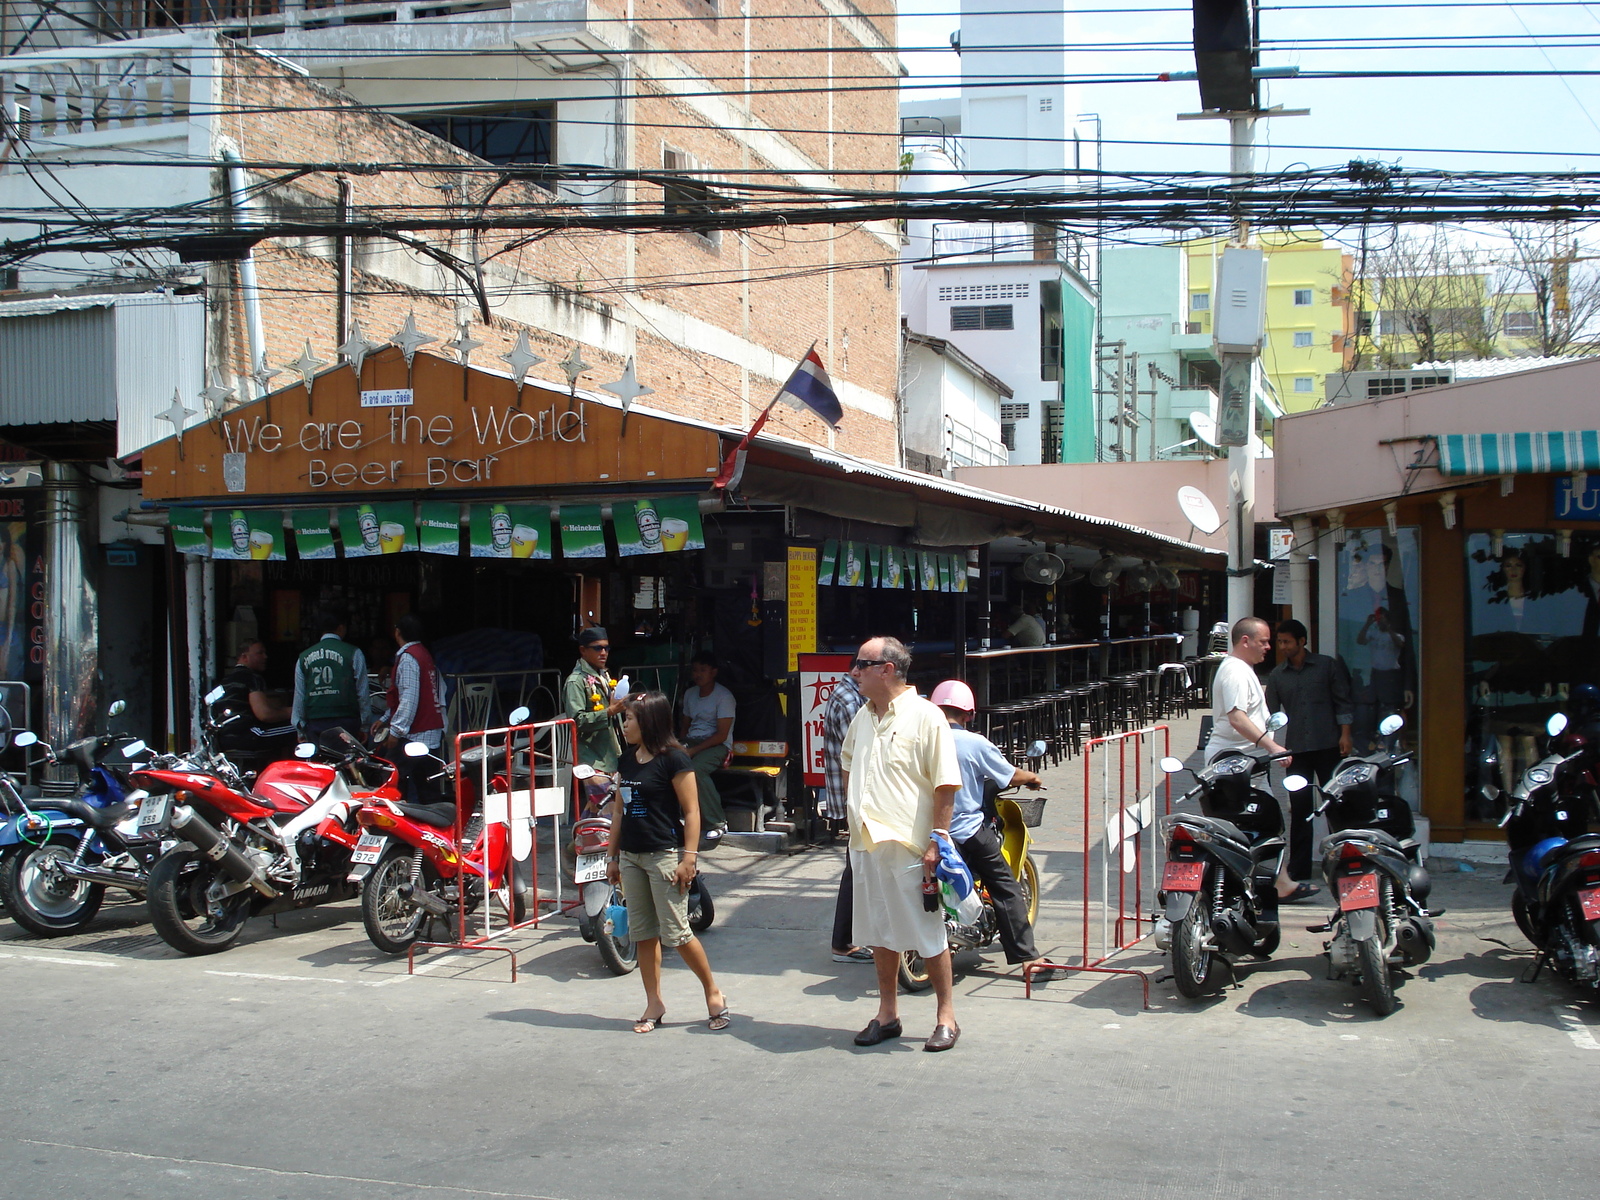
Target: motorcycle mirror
24	739
305	749
1295	783
583	771
1556	723
133	748
215	694
1392	724
1171	765
118	707
1277	721
1037	748
416	750
519	715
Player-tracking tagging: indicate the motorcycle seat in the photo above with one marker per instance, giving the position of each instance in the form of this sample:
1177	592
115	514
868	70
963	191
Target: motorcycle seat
440	816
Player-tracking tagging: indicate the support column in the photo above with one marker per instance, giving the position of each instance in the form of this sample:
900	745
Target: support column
72	627
194	594
1300	571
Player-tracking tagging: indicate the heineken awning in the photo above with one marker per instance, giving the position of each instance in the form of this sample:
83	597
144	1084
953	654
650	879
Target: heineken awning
1519	453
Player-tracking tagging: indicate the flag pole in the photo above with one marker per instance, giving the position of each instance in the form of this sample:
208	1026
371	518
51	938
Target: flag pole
732	469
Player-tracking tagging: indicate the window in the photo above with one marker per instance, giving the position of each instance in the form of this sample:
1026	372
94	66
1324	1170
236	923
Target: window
981	316
1521	324
1302	339
1052	344
688	196
1020	411
1008	434
1302	383
1200	302
1302	297
1046	103
514	136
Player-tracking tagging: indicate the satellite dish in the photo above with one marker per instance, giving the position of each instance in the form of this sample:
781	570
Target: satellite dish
1204	428
1104	571
1043	568
1198	509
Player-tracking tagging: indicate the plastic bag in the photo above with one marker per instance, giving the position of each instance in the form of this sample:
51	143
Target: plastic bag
958	891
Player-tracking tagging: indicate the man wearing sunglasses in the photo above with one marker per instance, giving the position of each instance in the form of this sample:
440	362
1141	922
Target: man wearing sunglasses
901	780
587	699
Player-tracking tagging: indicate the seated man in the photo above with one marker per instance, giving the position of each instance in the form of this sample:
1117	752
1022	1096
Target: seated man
983	768
253	727
706	731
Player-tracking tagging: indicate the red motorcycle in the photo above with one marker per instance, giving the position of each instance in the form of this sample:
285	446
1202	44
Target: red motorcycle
278	843
407	862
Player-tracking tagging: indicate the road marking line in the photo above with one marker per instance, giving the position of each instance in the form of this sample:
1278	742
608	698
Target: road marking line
227	1166
1575	1029
277	978
50	958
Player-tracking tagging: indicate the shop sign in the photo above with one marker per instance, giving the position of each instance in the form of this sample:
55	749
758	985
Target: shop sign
373	529
658	526
439	527
583	532
1577	503
819	675
515	531
802	592
245	534
313	534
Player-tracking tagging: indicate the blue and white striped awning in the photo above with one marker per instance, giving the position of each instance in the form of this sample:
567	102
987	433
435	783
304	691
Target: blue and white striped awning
1519	453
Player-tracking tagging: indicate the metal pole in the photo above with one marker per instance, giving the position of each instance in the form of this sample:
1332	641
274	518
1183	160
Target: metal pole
1241	469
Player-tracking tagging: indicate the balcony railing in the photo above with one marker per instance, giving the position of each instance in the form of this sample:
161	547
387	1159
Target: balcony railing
95	88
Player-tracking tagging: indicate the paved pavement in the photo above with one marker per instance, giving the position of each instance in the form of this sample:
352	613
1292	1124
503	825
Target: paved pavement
303	1064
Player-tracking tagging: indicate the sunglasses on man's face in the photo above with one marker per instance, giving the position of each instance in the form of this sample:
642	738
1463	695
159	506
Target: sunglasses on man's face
598	649
863	663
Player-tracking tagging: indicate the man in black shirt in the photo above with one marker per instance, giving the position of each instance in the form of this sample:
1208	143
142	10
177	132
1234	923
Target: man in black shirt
253	727
1314	691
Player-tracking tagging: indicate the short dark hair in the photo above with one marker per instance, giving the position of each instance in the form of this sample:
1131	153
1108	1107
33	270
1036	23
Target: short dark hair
653	711
332	617
1244	627
706	659
1294	629
410	627
250	644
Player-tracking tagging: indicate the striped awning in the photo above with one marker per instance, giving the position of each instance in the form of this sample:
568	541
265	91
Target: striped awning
1519	453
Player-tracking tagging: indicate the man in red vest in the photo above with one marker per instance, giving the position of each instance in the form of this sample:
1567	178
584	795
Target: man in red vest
416	705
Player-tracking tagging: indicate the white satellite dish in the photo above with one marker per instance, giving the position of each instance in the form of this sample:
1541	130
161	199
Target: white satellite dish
1198	509
1204	427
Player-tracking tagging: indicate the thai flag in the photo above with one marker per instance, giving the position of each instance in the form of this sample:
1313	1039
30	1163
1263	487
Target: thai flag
810	387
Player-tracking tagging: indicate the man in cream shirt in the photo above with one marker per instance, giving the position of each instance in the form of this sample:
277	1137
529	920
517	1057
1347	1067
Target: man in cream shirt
901	780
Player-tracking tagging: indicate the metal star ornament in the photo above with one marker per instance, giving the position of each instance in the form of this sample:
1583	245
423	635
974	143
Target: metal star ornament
176	415
307	366
216	397
356	348
628	388
264	375
520	358
574	366
410	339
464	344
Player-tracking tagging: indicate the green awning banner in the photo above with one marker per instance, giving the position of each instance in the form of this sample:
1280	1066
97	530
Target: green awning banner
894	568
853	565
583	531
313	534
188	527
439	527
875	565
1518	453
523	531
242	534
930	570
658	526
828	561
368	530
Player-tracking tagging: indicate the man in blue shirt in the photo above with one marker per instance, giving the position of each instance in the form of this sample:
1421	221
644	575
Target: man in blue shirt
985	770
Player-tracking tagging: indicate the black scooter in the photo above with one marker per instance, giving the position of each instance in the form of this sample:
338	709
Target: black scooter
1372	864
1218	889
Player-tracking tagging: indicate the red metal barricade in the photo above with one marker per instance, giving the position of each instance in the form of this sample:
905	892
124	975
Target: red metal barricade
509	777
1122	786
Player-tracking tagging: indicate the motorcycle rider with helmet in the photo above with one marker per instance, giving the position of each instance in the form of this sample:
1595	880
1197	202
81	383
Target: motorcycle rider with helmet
984	772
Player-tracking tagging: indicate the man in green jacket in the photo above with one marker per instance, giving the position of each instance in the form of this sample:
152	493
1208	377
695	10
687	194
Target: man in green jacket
587	699
330	681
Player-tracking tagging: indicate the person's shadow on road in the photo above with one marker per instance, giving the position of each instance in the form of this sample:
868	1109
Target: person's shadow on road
773	1037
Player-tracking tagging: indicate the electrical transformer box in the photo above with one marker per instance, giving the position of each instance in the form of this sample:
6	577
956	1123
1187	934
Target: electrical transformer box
1239	301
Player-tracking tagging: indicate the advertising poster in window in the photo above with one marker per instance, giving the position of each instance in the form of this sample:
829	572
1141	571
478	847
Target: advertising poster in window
313	534
372	529
1379	595
246	534
659	526
523	531
439	528
583	532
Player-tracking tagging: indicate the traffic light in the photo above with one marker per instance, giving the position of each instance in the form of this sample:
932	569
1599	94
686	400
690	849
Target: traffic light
1224	54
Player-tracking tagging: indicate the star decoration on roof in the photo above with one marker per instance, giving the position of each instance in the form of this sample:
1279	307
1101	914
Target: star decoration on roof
264	375
464	344
307	365
409	338
520	358
356	348
176	415
216	397
628	387
574	366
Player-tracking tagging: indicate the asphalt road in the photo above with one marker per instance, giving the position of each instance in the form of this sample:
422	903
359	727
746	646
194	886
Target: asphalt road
302	1064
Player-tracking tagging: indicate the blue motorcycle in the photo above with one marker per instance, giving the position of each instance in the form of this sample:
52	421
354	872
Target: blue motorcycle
58	855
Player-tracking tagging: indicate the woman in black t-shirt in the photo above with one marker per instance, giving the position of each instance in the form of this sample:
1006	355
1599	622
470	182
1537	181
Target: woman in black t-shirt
658	815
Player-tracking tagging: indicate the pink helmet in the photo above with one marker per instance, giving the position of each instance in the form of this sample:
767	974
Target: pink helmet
952	693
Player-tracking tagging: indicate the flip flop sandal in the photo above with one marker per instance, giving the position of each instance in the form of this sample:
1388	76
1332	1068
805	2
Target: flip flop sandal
649	1024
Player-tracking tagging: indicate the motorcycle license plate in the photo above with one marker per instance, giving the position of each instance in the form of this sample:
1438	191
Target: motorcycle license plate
1358	891
1182	876
591	868
153	813
369	849
1590	899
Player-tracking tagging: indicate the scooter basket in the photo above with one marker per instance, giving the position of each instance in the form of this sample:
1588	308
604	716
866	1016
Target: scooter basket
1032	810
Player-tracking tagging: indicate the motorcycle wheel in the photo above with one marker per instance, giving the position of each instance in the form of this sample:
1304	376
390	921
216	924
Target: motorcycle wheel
178	910
619	954
1377	985
914	972
1029	883
1196	970
1523	918
392	925
44	903
702	912
512	901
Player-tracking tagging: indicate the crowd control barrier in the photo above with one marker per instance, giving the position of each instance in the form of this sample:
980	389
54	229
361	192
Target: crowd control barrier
509	778
1124	793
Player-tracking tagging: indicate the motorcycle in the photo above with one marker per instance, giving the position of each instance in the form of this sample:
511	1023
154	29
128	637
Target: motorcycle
1013	818
1555	861
601	920
1218	892
58	856
1373	868
281	843
406	859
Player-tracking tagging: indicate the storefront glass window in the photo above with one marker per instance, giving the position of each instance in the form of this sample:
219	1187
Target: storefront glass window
1533	629
1379	591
